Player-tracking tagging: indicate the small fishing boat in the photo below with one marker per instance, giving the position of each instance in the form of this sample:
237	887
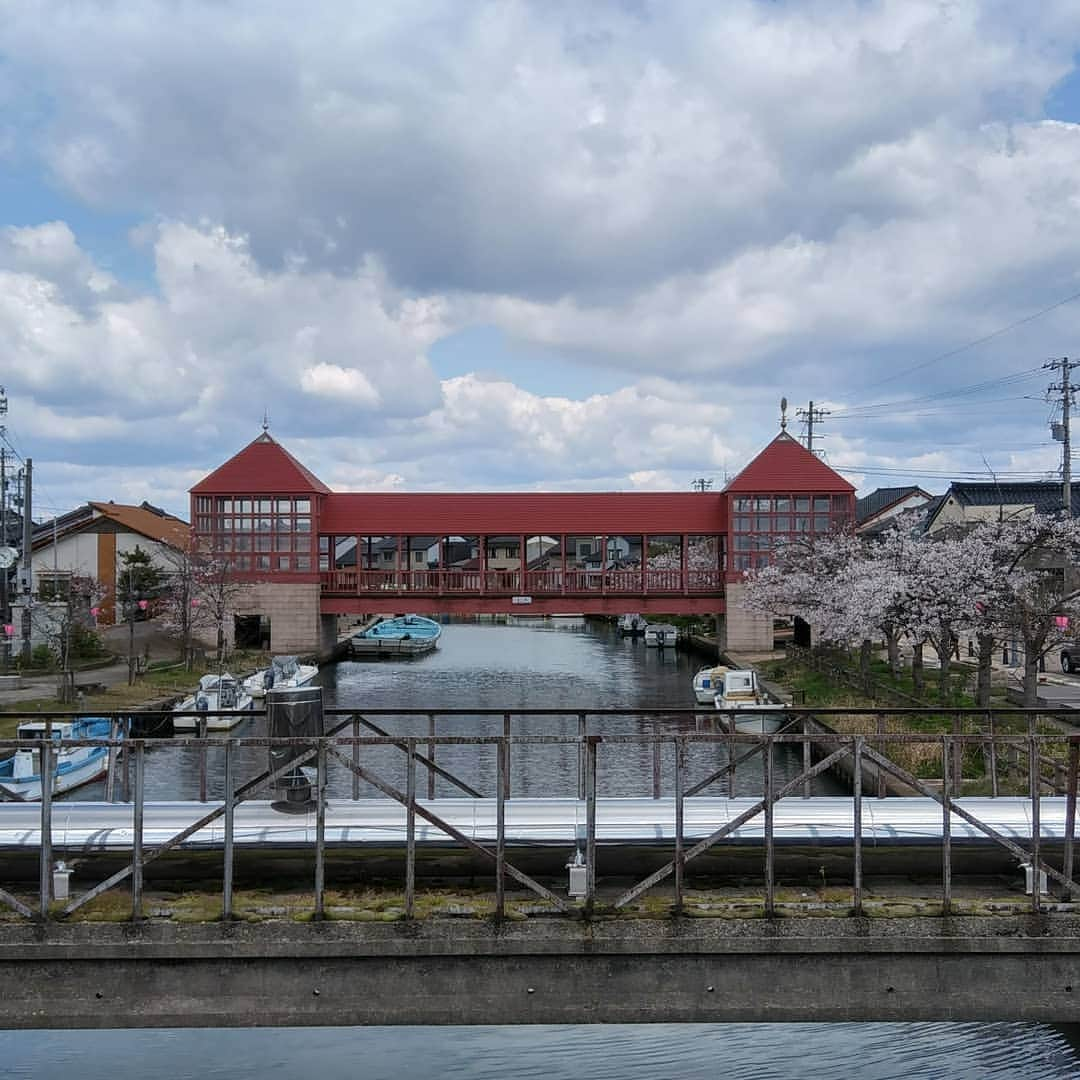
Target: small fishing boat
404	635
754	713
20	774
661	635
284	673
632	625
707	683
215	693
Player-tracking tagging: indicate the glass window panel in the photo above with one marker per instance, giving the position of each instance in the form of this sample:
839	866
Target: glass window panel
742	562
763	503
742	543
743	524
783	504
243	543
264	543
284	543
761	543
303	525
202	524
821	504
802	523
226	524
264	506
242	524
762	524
303	562
821	523
324	544
303	506
284	525
841	504
284	506
204	504
802	504
243	506
264	524
761	560
262	562
324	562
743	504
782	524
284	561
243	563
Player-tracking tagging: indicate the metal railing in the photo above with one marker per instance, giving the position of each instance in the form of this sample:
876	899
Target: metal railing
867	755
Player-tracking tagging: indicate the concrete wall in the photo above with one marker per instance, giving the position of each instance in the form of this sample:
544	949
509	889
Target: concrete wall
745	630
541	971
293	610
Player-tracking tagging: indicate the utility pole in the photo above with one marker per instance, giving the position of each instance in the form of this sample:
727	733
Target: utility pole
702	483
809	416
1066	389
27	556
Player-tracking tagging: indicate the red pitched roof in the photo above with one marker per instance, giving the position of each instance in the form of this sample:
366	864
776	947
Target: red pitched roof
786	465
468	513
262	467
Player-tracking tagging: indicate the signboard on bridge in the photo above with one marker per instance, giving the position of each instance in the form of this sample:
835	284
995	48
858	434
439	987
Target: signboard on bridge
520	599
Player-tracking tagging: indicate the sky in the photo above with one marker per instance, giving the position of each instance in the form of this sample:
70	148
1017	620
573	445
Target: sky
549	246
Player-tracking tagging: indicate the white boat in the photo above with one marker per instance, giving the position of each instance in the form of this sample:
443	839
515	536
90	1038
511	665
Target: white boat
707	683
661	635
632	625
20	774
215	692
284	673
754	713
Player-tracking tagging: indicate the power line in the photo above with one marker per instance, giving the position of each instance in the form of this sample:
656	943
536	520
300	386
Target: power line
971	344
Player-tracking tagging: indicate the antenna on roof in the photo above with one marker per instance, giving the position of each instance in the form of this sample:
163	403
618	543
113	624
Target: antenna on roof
783	414
266	420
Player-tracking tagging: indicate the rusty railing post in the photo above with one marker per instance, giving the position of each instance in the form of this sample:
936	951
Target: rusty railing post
430	754
946	830
590	824
355	757
501	750
45	842
770	854
680	761
230	807
1070	813
320	830
410	830
857	890
137	833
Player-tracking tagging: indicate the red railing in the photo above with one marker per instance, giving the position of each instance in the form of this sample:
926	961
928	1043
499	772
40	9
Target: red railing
574	582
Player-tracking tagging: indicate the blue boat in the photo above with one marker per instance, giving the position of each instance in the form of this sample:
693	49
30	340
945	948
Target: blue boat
404	635
20	774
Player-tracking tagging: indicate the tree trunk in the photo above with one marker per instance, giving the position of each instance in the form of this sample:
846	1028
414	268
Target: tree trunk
892	643
917	679
986	656
944	649
864	663
1031	674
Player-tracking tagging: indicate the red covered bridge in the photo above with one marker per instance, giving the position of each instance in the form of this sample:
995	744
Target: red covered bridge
542	552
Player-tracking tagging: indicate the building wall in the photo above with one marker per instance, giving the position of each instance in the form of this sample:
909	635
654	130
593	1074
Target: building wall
909	502
953	513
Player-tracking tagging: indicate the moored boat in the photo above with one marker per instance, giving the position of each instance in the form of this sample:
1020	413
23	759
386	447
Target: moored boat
403	635
753	712
661	635
284	673
632	625
214	694
708	682
20	774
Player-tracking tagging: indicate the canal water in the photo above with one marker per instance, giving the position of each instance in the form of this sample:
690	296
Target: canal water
550	664
557	663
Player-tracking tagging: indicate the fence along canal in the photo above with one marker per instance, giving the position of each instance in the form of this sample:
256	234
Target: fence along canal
1033	829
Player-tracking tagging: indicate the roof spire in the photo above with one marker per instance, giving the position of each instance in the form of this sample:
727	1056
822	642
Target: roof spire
266	421
783	414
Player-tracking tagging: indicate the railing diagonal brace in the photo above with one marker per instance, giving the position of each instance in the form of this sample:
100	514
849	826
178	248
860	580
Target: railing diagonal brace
422	759
1009	845
703	845
444	826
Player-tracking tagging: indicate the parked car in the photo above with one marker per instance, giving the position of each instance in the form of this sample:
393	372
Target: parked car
1070	657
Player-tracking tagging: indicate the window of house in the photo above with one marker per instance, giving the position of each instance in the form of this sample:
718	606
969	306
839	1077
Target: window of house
303	562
